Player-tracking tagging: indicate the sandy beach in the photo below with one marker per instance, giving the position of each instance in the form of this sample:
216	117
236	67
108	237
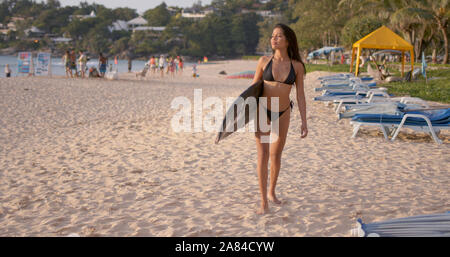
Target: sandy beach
99	158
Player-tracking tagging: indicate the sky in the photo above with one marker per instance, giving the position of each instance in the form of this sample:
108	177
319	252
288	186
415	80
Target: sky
140	5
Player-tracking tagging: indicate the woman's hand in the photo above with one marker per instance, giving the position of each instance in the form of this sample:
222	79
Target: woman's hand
304	130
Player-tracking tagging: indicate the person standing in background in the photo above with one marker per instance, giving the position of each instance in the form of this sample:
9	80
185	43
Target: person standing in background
152	62
73	62
116	62
172	66
102	62
181	65
194	71
129	63
162	65
168	64
7	71
82	62
66	61
177	64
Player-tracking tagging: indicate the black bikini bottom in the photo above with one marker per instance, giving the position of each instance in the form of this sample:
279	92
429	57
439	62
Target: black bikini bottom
269	112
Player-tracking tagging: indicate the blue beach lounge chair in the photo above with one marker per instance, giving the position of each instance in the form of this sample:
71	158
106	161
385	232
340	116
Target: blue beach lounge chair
430	121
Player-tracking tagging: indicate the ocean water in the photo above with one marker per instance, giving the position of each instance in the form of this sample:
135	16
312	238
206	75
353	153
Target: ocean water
58	69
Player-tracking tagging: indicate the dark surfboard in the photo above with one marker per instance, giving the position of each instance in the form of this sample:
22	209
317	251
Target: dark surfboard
254	90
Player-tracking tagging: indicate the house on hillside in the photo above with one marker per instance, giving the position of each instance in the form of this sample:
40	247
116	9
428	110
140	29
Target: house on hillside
268	14
82	17
141	24
3	31
137	22
6	32
148	28
195	14
34	32
12	26
118	25
172	10
61	40
264	14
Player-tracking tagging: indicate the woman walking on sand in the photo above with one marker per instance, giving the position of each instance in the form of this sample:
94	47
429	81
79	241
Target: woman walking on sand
280	72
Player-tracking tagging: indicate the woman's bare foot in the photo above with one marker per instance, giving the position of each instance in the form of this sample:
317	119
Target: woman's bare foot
263	209
273	199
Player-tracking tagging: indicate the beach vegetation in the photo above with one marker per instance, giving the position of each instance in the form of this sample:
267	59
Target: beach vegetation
434	88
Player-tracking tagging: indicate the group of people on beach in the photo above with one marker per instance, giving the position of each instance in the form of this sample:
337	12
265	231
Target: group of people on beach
77	67
170	64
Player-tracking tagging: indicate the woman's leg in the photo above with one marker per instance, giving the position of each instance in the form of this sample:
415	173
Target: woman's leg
262	170
276	148
262	147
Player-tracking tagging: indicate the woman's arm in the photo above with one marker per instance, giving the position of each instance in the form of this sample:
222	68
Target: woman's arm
299	85
259	69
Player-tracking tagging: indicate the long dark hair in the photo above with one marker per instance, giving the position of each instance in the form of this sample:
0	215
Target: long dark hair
293	52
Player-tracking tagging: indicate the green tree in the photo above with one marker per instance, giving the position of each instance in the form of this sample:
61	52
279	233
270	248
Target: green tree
158	16
4	11
125	14
438	12
245	33
51	20
318	22
52	4
358	27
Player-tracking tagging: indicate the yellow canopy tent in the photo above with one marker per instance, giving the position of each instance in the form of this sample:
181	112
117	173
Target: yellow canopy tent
382	38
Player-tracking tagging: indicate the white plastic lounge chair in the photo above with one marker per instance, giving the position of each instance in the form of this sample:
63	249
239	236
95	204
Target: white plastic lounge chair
362	95
375	96
434	225
338	75
392	108
346	84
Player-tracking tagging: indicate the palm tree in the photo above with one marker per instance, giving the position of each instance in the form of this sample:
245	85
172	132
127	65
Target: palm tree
439	12
411	17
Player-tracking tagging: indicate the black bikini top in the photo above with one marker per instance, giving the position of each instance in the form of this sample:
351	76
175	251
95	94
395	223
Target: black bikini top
267	74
